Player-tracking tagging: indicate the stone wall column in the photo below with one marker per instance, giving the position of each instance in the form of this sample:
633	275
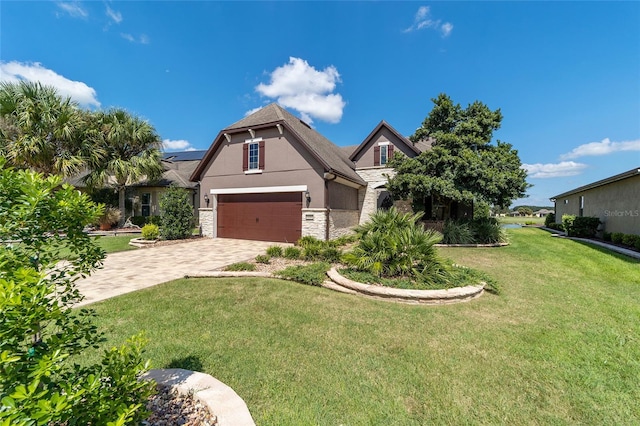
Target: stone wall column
314	223
205	217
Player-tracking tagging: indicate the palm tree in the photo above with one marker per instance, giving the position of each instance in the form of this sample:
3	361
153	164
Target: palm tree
42	131
132	153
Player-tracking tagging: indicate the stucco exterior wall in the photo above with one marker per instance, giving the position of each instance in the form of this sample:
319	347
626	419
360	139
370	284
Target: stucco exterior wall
286	163
365	157
616	204
342	197
342	222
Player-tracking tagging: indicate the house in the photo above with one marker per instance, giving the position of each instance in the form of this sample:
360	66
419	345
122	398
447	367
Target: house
272	177
614	200
542	212
178	167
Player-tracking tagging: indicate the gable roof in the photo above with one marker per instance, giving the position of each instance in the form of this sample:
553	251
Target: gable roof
332	158
418	147
612	179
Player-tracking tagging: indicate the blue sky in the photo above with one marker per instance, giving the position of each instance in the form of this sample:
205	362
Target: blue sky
566	75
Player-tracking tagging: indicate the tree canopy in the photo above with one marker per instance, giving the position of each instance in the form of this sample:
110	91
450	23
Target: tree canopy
463	164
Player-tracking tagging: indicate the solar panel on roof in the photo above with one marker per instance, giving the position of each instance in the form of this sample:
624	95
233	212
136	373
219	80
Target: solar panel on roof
184	155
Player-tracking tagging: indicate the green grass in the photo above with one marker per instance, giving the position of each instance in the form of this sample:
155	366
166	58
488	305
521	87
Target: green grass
521	220
560	345
112	244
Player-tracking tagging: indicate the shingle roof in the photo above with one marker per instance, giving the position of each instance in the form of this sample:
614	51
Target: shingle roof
612	179
184	155
325	151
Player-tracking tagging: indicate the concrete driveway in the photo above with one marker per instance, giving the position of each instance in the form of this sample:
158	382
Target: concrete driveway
128	271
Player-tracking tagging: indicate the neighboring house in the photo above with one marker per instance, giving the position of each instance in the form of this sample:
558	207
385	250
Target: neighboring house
271	177
178	167
542	212
615	201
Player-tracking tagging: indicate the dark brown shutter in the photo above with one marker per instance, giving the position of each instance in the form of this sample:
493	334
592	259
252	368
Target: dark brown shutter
245	157
261	155
390	153
376	155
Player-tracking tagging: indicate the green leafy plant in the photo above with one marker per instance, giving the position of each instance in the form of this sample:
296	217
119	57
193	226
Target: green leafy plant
637	244
313	274
241	266
630	239
392	244
549	219
150	232
274	251
606	236
488	231
263	258
177	214
567	222
292	253
109	217
40	332
455	232
585	227
616	237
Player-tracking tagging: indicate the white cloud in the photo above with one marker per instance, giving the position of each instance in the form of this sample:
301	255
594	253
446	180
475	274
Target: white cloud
601	148
73	9
78	91
423	19
143	39
114	15
177	145
552	170
300	86
251	111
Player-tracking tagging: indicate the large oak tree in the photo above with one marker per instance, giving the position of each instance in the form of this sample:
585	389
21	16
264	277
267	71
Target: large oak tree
463	165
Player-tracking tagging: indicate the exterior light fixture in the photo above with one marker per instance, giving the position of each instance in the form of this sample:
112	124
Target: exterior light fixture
206	199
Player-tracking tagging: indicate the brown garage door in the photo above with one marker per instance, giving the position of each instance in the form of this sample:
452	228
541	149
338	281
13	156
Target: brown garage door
263	217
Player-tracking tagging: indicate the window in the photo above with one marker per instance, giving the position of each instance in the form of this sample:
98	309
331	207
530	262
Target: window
146	204
384	152
581	206
253	156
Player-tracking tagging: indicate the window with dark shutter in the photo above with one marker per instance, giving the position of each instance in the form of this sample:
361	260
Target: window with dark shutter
261	155
390	153
245	157
376	155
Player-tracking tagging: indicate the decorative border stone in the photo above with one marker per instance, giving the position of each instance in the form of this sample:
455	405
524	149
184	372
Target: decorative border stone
429	297
140	242
221	400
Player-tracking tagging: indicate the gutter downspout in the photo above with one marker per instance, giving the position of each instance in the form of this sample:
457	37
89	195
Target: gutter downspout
328	177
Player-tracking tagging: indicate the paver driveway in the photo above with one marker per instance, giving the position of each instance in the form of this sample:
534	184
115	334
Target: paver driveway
128	271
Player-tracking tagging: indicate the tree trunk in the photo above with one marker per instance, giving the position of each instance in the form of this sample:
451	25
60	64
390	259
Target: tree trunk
121	194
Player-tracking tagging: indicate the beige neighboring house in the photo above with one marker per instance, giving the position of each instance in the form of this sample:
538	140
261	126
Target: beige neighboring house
614	200
272	177
542	212
178	167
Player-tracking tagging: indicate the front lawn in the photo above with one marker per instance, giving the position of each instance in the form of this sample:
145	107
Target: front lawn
560	345
112	244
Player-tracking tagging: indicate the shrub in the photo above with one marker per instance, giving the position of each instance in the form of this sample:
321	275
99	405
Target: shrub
307	241
241	266
331	254
567	223
616	237
263	258
392	244
109	217
143	220
343	240
585	227
274	251
313	274
40	334
312	252
292	253
630	239
455	232
637	244
606	236
549	219
177	214
150	232
488	231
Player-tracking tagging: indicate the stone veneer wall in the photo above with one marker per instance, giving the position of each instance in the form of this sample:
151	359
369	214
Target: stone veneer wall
341	222
205	217
368	196
314	223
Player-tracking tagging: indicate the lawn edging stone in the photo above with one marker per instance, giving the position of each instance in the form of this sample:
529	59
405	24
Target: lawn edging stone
221	400
430	297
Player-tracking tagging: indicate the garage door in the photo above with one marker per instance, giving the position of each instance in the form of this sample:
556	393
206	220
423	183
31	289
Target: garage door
263	217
